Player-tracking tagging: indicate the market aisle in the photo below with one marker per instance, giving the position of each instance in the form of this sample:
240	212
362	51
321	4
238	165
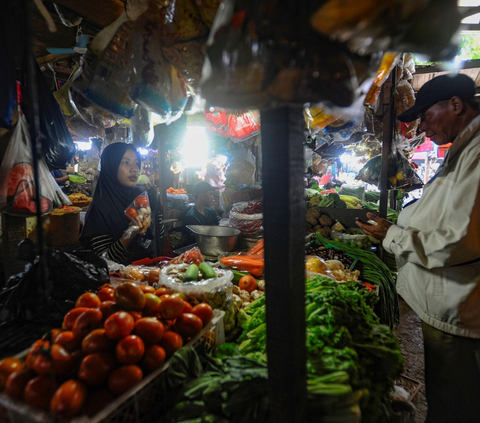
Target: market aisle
409	334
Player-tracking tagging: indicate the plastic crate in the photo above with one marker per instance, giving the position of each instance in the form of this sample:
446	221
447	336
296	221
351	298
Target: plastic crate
141	404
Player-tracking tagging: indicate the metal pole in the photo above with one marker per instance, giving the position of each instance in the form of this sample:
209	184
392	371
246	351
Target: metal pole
284	216
389	120
34	129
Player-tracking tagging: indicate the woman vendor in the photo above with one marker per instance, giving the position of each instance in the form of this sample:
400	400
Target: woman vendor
107	229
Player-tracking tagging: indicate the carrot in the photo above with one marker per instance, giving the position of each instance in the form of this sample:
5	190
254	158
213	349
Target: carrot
247	263
257	247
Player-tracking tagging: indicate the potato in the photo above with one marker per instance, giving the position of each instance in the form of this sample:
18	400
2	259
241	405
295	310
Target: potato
325	220
324	232
312	220
317	228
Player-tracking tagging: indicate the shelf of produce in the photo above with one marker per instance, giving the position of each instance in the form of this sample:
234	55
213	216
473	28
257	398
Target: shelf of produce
141	404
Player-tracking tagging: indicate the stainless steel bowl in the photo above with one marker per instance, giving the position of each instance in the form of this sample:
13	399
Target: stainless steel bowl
214	240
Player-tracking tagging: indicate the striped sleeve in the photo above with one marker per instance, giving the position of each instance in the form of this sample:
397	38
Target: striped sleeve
115	250
161	226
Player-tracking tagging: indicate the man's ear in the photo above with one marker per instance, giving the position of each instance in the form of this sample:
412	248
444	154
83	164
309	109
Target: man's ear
458	106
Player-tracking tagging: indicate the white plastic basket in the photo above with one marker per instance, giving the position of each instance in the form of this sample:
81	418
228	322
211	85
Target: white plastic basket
141	404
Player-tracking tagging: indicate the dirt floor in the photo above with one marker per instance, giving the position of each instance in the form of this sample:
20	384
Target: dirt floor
409	333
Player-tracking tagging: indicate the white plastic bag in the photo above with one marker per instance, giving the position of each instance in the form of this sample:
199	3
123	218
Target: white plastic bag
241	169
17	187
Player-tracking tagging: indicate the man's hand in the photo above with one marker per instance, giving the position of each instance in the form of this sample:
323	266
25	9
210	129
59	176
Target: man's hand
378	231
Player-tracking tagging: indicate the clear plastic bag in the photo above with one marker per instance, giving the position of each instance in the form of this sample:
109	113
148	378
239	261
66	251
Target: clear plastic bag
155	84
217	292
241	169
188	257
139	211
17	187
247	210
142	128
248	227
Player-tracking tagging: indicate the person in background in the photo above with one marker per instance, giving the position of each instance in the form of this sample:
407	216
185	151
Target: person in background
213	175
60	178
202	213
107	229
437	247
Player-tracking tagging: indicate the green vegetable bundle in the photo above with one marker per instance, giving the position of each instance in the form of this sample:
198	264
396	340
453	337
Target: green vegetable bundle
329	200
343	335
392	215
372	270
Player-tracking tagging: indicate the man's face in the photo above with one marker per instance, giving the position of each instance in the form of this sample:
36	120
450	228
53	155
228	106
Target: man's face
206	198
437	123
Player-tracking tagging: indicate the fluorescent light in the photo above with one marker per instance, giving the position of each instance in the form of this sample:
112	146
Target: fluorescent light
195	147
346	158
83	145
142	151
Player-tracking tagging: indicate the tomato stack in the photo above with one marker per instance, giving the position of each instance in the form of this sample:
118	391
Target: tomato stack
107	343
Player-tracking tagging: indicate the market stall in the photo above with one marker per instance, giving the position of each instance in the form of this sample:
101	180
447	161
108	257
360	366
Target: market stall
133	346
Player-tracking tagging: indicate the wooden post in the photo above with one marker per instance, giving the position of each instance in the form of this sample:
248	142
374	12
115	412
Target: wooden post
284	223
389	120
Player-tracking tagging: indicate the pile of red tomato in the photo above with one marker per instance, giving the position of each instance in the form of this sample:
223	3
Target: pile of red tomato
107	343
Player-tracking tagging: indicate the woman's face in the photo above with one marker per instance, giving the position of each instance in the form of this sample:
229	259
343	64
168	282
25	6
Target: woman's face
129	169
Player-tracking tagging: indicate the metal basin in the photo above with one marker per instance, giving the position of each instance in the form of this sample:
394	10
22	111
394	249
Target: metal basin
214	240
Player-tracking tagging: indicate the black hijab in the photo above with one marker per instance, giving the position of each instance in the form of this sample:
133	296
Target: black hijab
106	214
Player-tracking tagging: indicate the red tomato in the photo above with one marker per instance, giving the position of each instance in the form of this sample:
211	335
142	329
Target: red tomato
57	361
119	325
204	311
149	329
33	351
163	291
130	349
71	316
39	391
16	382
147	289
68	400
188	325
55	333
153	276
89	300
136	315
97	341
108	308
96	368
130	297
106	294
153	358
171	342
187	308
124	378
171	307
86	322
131	213
67	341
152	305
9	365
141	201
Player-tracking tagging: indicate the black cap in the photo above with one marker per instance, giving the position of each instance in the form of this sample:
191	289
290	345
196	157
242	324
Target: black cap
442	87
201	187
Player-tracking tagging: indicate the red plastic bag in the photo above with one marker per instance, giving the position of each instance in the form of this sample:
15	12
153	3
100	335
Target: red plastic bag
240	125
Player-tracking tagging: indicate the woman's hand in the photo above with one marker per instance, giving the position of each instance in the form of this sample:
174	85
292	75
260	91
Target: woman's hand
378	231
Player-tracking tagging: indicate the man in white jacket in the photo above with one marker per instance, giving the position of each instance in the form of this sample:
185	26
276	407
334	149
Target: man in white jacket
437	246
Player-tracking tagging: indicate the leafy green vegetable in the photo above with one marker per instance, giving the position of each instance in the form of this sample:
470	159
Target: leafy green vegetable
343	334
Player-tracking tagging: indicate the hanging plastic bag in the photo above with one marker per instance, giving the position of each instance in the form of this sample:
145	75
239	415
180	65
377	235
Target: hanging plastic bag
237	125
258	57
142	128
241	169
56	141
155	85
105	79
375	25
17	187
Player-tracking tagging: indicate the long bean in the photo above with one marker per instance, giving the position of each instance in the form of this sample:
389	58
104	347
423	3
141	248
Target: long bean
372	270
